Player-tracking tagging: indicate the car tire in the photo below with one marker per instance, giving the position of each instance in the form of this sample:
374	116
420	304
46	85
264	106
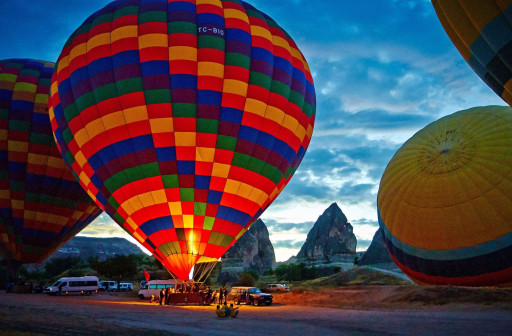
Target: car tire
141	296
256	302
236	301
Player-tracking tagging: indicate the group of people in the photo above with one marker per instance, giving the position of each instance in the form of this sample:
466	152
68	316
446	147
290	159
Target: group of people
165	295
226	311
217	296
207	296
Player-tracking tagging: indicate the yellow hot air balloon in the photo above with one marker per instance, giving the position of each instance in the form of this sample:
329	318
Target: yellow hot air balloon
482	32
445	200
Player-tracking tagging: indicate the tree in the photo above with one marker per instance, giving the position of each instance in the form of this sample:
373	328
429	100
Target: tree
246	279
58	265
296	272
118	267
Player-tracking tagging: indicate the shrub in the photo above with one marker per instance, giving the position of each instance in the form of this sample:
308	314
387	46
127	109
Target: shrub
246	279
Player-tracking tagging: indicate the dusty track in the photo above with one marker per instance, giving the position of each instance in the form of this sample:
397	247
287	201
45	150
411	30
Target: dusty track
25	314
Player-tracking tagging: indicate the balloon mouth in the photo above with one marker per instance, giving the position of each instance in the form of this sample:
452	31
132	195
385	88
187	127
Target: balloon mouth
189	267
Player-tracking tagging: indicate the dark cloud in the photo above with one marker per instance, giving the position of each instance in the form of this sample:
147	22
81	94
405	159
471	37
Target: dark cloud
380	119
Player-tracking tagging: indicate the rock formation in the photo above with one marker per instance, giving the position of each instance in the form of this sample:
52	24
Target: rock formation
377	252
253	251
85	247
331	235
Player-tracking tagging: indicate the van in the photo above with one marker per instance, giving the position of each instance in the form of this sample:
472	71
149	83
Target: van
153	287
74	285
107	285
124	287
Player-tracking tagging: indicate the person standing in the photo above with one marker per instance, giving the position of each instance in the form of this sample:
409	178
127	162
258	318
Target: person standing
225	294
221	296
162	296
168	296
214	297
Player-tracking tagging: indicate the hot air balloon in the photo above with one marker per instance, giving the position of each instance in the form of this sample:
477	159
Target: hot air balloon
42	205
482	32
445	200
183	120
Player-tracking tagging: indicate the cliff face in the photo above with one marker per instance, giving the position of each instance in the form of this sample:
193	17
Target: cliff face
331	235
253	251
377	252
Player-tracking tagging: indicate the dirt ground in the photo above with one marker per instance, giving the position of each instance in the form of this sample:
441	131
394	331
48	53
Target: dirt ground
354	310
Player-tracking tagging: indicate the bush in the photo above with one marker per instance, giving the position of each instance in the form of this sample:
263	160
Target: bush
246	279
254	274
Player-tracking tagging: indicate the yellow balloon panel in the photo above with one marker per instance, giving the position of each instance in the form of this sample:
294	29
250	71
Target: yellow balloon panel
445	200
455	172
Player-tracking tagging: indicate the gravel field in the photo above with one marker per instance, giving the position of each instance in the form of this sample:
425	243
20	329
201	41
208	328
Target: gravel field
121	314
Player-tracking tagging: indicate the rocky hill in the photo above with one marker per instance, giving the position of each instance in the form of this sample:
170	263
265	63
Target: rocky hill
253	251
377	252
331	235
85	247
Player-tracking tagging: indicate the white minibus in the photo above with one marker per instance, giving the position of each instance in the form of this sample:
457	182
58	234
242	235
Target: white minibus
153	287
74	285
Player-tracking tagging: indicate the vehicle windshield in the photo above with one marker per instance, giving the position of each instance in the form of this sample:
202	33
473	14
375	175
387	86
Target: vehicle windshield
254	290
56	284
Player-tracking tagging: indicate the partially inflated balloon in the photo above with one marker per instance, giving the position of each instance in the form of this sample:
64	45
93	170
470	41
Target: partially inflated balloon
445	200
42	205
183	119
482	32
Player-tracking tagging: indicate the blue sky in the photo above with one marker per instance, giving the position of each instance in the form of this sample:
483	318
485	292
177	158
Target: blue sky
383	69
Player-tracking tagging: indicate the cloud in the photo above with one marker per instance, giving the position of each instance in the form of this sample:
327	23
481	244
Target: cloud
290	244
295	228
103	226
363	244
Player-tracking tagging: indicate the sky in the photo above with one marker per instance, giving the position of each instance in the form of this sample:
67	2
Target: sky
383	70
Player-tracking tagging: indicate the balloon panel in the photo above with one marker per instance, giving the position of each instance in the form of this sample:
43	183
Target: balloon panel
184	120
445	200
482	32
41	204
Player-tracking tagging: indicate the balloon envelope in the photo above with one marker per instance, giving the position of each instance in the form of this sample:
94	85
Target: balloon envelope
183	120
445	200
482	32
41	204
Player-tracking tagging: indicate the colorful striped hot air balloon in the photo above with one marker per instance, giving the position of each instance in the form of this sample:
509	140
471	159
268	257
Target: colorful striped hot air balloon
445	200
184	120
482	32
42	205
